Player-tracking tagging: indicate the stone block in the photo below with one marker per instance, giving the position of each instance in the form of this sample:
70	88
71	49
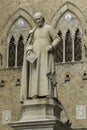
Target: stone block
39	109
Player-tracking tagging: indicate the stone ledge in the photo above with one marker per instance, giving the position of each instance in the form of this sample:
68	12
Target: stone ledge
41	101
39	124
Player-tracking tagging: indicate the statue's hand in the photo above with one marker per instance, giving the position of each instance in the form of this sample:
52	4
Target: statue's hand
50	49
29	49
29	52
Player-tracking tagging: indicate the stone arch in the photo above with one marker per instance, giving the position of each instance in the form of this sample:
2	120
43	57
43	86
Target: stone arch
15	16
18	13
68	6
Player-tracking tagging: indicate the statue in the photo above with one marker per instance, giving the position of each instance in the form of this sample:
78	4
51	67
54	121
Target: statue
38	73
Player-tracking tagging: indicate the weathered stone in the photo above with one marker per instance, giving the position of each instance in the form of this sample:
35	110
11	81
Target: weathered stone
71	93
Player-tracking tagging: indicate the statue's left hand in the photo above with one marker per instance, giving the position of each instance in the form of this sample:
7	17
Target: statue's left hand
50	49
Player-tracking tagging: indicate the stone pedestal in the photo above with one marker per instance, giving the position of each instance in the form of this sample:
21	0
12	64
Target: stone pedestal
41	109
40	114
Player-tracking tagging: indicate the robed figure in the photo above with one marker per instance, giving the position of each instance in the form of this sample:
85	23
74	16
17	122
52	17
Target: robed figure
38	73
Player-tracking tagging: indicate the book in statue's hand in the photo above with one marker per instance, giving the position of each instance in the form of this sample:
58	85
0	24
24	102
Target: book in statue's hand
31	57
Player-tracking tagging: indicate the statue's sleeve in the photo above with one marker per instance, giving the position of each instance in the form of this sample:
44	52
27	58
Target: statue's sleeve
54	37
29	45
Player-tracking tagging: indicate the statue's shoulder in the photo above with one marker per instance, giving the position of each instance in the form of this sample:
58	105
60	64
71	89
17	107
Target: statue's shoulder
48	26
30	34
49	29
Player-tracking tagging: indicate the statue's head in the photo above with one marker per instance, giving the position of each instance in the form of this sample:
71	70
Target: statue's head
39	19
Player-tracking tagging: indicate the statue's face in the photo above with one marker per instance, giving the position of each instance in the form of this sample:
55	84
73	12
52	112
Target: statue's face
39	20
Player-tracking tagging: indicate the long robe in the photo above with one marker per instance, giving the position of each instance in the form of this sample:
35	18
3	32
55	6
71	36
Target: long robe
35	80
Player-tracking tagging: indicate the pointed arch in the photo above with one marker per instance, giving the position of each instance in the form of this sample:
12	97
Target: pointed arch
18	13
12	28
68	6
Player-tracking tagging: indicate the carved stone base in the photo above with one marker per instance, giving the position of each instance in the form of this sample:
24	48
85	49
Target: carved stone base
40	109
40	114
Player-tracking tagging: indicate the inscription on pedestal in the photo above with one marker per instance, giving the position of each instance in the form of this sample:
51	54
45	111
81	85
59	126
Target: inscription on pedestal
6	116
80	111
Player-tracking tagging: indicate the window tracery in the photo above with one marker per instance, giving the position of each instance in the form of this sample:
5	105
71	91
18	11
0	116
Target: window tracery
15	51
71	38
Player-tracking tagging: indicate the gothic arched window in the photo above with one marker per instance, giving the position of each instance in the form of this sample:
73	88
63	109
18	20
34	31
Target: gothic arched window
68	47
20	51
11	60
77	46
71	47
15	51
59	49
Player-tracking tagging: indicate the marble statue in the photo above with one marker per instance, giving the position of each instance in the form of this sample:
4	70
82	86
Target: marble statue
38	73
